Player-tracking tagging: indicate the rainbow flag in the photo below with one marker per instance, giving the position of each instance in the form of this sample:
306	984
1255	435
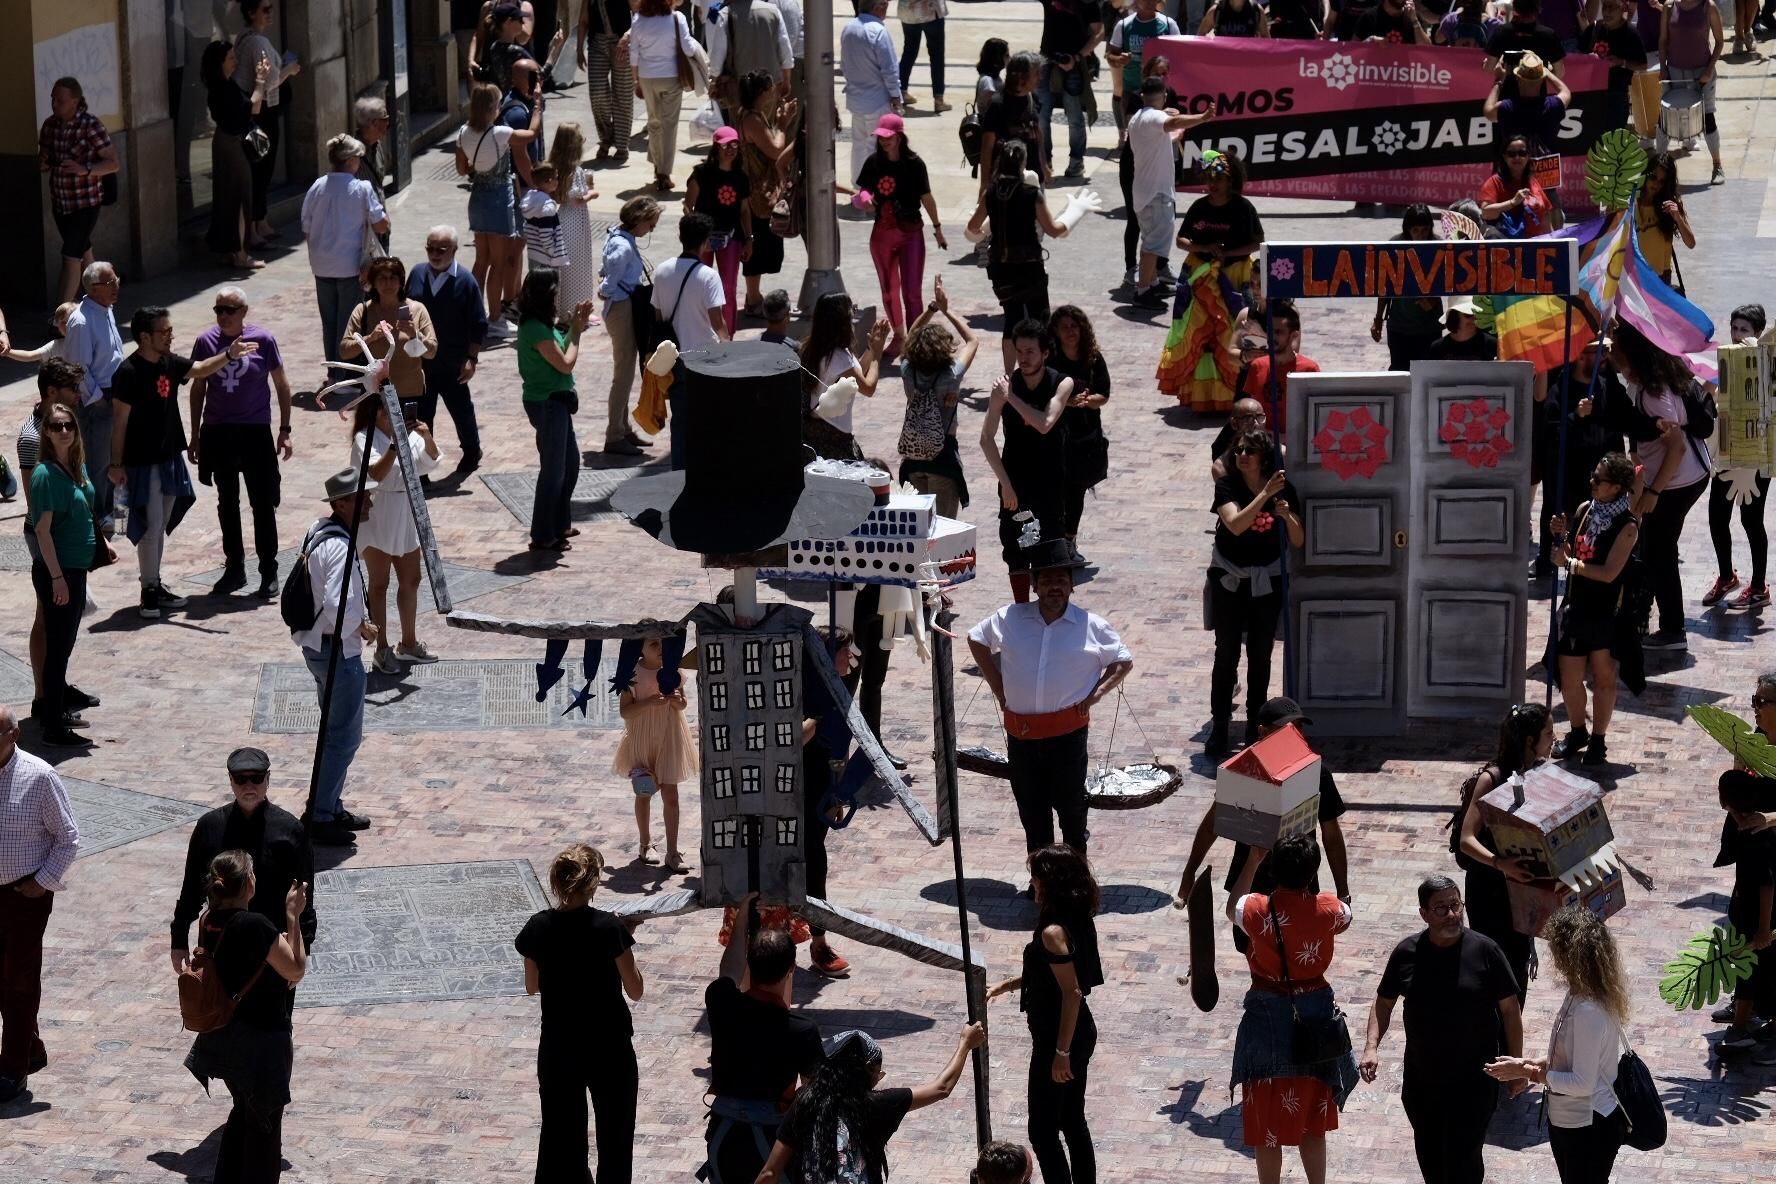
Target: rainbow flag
1533	328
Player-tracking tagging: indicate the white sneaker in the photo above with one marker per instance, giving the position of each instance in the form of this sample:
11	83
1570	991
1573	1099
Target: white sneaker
501	329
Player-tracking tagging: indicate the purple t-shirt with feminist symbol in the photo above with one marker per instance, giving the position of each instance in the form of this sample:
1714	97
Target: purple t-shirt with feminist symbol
240	392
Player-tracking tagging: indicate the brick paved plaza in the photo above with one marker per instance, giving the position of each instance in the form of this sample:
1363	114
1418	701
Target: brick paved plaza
412	1070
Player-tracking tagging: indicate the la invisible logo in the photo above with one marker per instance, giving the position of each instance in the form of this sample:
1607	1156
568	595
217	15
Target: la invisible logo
1340	70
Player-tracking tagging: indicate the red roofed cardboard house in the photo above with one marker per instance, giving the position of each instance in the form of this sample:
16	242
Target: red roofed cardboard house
1268	790
1555	821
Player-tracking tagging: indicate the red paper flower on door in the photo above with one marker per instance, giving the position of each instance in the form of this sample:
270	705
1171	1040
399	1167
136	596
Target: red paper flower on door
1352	444
1475	432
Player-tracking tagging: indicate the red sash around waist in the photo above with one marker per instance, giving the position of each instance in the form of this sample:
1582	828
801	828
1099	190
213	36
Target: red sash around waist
1047	724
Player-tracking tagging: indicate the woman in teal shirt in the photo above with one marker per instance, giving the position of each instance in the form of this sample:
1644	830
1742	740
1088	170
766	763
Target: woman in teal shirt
62	519
546	357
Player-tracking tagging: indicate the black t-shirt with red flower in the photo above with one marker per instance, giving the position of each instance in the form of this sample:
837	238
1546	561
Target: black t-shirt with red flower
1262	542
1621	42
1393	27
721	193
896	185
1232	225
155	432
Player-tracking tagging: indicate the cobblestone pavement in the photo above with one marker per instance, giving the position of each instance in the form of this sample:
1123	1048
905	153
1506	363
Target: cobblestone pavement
443	1089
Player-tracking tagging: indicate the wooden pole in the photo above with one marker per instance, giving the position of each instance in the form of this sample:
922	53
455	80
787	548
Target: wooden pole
943	701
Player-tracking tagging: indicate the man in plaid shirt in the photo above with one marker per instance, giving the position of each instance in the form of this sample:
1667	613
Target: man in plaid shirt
75	150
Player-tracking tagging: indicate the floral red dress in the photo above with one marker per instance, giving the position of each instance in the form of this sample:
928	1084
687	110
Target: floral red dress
1282	1111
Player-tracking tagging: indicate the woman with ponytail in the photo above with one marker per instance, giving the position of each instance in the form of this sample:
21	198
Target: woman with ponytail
838	1127
252	1055
580	959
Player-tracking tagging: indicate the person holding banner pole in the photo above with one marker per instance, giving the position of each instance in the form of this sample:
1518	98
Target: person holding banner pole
1411	322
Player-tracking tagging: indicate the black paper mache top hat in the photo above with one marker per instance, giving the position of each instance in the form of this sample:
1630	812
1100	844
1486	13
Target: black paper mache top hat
1050	554
742	487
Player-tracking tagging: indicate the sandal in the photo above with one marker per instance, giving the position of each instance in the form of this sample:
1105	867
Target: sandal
663	184
753	310
572	532
675	863
648	857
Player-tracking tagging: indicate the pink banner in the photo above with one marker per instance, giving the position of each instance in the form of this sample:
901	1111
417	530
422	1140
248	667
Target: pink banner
1362	121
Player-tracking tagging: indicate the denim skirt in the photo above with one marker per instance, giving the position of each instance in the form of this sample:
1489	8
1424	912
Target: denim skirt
493	208
1263	1047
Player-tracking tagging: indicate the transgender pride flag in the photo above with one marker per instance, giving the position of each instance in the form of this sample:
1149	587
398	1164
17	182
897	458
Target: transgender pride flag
1663	315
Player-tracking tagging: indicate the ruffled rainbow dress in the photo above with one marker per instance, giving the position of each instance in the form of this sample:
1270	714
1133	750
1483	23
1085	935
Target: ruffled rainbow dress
1197	364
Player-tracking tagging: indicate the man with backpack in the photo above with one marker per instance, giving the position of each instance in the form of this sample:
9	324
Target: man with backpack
311	608
689	310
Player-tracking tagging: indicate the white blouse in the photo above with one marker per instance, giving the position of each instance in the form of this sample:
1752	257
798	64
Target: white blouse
1582	1057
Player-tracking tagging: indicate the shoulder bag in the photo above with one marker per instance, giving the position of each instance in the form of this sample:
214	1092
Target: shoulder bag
205	1005
1639	1099
1315	1041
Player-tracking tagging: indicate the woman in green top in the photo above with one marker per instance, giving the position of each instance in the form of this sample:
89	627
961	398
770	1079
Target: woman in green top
546	357
62	518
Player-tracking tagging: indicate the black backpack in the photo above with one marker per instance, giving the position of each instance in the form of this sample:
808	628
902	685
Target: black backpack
1639	1099
297	603
970	135
1467	798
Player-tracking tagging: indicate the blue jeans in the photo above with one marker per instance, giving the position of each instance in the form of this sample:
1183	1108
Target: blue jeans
558	454
336	298
345	725
459	402
1072	90
95	433
933	33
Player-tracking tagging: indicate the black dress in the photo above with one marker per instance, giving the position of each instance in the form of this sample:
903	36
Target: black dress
231	206
1591	616
1037	466
1489	904
1014	261
1088	449
1057	1109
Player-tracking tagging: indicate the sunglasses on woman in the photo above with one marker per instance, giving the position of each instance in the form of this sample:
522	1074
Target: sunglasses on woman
58	428
1248	450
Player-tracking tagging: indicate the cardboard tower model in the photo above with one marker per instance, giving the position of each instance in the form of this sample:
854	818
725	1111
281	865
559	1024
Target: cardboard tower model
1268	790
1555	822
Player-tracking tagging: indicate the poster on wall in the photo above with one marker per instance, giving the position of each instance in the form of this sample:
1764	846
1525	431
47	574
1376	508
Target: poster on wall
1365	121
88	53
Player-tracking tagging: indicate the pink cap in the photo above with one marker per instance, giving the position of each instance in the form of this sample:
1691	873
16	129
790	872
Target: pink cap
890	125
726	135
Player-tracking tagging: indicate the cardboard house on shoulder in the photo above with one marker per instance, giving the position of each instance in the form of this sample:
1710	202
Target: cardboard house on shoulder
890	546
1555	821
1269	790
749	703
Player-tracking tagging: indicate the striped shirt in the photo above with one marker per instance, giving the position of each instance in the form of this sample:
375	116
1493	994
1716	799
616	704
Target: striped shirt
544	242
38	834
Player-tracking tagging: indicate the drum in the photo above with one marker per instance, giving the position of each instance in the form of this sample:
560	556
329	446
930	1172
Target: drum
1680	113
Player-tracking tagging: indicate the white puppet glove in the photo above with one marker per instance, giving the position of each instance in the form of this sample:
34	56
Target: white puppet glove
1742	487
836	400
664	359
1078	206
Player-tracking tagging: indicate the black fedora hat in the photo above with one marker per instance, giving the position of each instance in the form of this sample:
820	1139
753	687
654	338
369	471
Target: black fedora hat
743	487
1050	554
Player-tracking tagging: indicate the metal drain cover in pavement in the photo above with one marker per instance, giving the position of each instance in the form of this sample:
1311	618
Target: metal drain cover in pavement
430	931
466	583
591	496
455	696
110	817
14	555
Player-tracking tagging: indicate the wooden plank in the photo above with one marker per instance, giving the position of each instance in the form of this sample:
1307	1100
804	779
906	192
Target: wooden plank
557	630
867	742
861	927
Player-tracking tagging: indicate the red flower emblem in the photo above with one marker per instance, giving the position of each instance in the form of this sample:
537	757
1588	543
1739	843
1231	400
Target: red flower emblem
726	195
1601	49
163	386
1352	444
1475	432
1394	37
1263	522
885	187
1585	550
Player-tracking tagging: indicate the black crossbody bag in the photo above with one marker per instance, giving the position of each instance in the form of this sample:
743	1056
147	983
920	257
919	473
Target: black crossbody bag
1315	1041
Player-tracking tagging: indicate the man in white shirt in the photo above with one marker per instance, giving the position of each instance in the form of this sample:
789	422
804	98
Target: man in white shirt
688	292
338	212
329	557
872	78
38	841
1048	663
1152	131
93	341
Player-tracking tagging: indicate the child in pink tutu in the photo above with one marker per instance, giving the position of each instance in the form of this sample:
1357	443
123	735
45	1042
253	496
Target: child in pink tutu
657	752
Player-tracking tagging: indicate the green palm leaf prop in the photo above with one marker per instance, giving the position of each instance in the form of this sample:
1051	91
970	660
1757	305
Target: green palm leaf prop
1746	744
1485	315
1708	966
1614	169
